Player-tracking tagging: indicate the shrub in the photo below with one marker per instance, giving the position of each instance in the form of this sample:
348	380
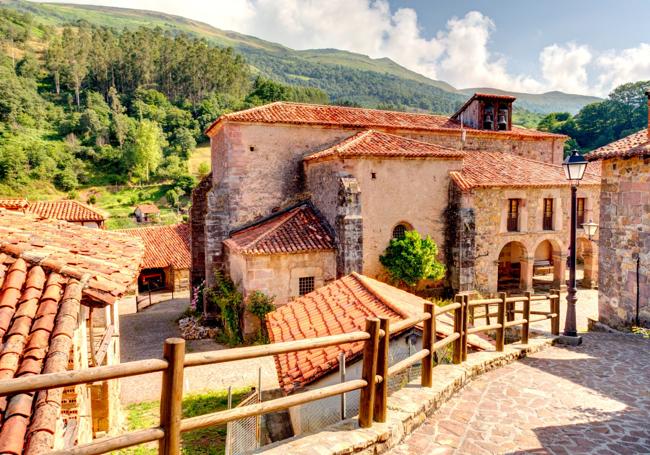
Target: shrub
66	180
92	199
260	304
204	169
225	296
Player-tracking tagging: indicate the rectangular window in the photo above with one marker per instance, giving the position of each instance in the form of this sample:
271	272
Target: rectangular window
548	214
305	285
513	215
581	211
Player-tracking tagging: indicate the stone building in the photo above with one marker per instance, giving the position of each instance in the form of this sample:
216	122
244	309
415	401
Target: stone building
625	229
370	175
60	290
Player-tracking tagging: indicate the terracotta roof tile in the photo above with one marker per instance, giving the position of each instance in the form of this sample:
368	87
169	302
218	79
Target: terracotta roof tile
164	246
375	143
14	203
360	118
636	144
148	208
66	210
339	307
295	230
500	169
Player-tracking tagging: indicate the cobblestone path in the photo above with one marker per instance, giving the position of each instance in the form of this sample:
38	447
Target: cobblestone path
594	398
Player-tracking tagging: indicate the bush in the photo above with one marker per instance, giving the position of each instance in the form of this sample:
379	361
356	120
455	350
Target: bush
66	180
92	199
260	304
225	297
204	169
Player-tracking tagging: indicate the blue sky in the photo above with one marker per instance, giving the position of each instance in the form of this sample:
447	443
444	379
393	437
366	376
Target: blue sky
576	46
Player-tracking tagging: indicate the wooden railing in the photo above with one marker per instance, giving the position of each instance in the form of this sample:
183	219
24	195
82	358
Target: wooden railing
373	384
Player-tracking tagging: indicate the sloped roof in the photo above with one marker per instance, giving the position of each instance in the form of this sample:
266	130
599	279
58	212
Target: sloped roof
378	144
164	246
106	262
14	203
636	144
67	210
339	307
501	169
295	230
361	118
148	208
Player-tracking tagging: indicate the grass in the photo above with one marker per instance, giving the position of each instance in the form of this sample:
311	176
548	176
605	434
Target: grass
209	441
202	154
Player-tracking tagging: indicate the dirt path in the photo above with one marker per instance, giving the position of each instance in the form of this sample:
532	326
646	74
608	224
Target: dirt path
142	337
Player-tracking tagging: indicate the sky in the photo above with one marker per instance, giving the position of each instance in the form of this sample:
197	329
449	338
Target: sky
575	46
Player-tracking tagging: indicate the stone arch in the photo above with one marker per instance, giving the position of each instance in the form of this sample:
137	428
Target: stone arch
512	267
588	261
549	259
400	228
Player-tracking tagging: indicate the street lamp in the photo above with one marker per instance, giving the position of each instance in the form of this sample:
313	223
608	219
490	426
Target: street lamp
574	169
590	229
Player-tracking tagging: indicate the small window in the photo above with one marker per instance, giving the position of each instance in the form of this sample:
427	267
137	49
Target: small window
581	211
373	175
399	231
251	148
548	214
513	215
305	285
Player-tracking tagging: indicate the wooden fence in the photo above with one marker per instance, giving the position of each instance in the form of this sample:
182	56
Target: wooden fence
373	385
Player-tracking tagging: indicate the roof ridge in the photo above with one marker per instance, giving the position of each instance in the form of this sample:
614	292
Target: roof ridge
374	291
282	218
511	155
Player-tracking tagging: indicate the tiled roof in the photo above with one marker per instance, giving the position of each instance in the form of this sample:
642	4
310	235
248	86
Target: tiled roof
47	269
106	262
66	210
375	143
501	169
361	118
164	246
636	144
339	307
14	203
295	230
148	208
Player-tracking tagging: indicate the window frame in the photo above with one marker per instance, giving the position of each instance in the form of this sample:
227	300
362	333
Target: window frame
405	228
309	286
512	222
581	206
548	215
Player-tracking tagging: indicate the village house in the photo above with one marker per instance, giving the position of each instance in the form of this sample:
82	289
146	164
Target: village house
64	210
368	175
146	213
60	290
625	229
342	306
166	264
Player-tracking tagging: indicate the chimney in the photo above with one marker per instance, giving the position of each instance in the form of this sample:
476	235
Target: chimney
647	93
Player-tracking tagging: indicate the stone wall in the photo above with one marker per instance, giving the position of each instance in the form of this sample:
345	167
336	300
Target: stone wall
490	210
197	214
624	236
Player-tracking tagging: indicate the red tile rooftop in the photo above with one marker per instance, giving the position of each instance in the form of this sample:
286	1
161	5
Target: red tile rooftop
361	118
14	203
295	230
636	144
164	246
67	210
384	145
500	169
148	208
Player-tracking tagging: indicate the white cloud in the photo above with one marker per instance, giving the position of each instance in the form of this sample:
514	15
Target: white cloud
565	67
619	67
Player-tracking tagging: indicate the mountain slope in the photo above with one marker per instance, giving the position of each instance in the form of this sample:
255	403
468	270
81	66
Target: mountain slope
345	76
543	103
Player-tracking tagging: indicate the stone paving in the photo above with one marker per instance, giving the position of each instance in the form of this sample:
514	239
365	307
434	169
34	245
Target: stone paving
594	398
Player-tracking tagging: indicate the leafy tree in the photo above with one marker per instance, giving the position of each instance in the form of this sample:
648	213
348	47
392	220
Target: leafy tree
27	67
411	259
260	304
144	153
173	196
66	180
204	169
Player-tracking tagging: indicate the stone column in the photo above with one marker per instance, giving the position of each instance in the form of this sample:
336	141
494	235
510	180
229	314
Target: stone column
349	227
590	278
559	270
526	273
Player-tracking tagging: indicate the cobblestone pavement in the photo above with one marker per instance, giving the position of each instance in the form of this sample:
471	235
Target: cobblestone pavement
594	398
141	337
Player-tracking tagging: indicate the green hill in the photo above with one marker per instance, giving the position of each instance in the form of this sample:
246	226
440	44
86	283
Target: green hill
346	76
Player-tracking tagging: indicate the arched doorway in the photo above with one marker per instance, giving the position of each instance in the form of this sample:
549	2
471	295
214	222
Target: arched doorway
587	270
548	266
511	259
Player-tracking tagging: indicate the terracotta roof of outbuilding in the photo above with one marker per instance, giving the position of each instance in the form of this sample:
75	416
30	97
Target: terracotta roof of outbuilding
148	208
66	210
107	262
361	118
295	230
384	145
501	169
47	269
14	203
636	144
339	307
164	246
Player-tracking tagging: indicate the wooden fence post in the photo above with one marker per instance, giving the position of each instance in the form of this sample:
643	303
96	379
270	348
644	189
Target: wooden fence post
428	340
381	389
525	327
465	318
171	398
458	328
369	373
501	319
555	308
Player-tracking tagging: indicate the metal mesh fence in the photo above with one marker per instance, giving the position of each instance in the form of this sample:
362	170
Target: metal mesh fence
242	435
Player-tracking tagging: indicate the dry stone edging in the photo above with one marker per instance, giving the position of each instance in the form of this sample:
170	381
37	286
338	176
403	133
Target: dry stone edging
408	408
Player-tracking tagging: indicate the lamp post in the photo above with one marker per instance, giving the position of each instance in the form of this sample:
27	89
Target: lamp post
574	169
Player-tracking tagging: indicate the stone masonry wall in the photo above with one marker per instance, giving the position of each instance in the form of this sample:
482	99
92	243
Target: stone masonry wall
349	228
624	236
198	212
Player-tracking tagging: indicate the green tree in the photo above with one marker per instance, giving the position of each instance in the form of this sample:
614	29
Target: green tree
411	259
260	304
144	153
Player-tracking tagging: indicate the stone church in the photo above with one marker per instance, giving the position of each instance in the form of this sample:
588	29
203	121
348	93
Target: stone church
301	194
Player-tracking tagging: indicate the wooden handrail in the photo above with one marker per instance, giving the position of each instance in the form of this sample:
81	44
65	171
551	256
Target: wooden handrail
407	362
445	341
110	443
405	324
483	328
447	308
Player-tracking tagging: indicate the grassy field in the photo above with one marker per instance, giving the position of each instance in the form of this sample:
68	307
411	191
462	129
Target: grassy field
200	155
210	441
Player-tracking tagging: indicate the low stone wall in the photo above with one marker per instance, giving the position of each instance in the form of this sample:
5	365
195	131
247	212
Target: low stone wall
407	408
